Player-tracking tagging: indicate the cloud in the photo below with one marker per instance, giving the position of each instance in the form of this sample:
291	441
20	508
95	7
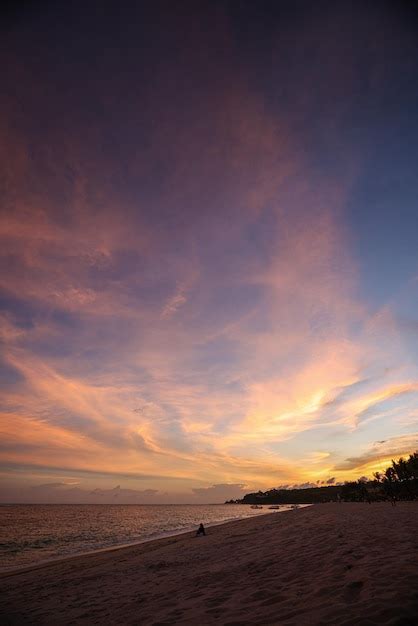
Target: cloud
373	405
174	303
220	493
307	485
68	493
181	297
381	452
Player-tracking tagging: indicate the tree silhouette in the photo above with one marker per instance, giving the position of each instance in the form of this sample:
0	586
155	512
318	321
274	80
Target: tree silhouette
399	481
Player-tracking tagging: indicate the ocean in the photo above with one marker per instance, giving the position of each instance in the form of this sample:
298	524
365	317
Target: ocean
31	534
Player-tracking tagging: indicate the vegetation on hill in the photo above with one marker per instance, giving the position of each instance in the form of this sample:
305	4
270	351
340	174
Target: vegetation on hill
398	482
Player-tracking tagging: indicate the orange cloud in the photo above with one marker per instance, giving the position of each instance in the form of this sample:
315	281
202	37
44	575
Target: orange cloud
379	455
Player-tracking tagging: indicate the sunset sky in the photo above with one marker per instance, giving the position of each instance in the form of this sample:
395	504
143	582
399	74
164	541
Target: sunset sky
209	247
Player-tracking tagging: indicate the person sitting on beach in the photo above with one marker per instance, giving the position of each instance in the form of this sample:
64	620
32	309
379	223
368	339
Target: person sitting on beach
201	530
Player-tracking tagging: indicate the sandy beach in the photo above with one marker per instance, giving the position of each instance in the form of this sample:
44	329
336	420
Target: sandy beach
327	564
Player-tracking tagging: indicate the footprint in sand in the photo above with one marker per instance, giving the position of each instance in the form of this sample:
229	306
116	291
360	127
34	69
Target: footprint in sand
353	590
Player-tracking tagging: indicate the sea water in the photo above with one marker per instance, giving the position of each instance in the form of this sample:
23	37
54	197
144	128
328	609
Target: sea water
31	534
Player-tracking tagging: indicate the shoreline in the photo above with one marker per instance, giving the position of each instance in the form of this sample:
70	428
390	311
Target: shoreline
17	569
351	564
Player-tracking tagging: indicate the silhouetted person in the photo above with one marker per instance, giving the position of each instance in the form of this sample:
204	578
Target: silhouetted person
201	530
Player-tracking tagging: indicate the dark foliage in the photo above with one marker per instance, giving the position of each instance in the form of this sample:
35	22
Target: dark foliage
398	482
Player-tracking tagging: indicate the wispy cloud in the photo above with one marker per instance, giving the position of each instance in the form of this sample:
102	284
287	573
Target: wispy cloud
380	453
181	296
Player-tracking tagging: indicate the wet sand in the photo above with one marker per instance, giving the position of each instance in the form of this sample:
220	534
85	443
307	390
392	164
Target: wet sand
345	564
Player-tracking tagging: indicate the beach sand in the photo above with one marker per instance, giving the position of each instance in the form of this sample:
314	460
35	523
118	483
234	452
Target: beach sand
327	564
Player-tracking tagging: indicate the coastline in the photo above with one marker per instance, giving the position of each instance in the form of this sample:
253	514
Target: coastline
345	564
123	546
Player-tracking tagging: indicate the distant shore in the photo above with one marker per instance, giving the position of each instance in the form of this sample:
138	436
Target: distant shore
327	564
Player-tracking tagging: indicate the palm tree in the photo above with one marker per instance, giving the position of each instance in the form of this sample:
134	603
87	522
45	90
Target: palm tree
412	464
404	475
389	481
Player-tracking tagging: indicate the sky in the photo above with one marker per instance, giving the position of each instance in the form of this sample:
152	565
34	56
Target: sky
208	243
